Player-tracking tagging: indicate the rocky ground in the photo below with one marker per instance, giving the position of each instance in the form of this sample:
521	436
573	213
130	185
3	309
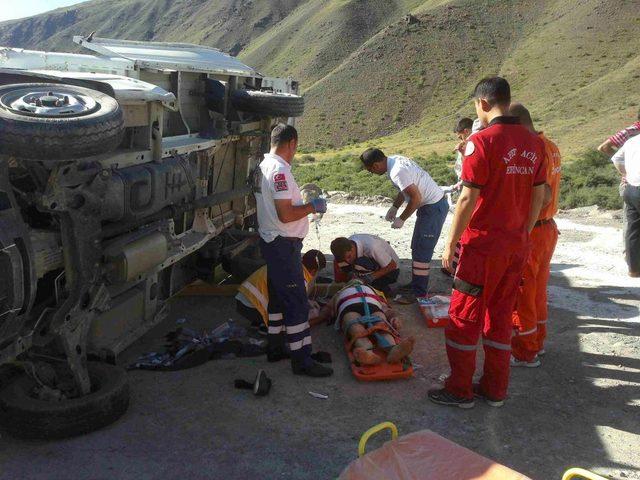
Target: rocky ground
581	408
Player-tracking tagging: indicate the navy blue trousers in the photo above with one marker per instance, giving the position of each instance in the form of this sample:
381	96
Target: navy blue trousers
429	222
288	304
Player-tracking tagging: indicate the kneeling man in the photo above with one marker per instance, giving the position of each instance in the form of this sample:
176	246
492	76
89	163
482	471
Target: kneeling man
369	257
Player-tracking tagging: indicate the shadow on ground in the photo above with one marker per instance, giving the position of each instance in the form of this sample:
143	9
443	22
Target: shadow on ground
580	408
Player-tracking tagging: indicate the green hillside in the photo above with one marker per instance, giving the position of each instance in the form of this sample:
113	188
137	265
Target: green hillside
371	77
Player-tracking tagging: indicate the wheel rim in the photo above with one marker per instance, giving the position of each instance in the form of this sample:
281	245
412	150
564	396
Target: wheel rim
51	101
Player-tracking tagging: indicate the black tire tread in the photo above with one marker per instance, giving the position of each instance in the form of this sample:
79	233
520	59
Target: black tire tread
41	138
24	417
268	103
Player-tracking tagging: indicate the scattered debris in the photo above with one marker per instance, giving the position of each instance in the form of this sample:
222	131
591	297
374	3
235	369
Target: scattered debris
260	386
187	348
321	396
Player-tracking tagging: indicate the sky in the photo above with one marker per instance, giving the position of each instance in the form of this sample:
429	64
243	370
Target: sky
11	9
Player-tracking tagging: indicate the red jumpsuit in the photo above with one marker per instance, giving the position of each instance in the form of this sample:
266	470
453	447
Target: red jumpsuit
504	161
530	315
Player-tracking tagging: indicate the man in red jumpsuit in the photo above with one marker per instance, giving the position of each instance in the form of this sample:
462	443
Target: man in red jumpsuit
503	178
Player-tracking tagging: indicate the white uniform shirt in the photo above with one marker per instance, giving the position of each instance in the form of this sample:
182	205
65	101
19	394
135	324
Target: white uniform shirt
404	172
277	183
629	157
376	248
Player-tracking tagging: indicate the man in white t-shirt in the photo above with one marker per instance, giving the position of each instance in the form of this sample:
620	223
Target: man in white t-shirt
424	197
368	257
283	223
627	162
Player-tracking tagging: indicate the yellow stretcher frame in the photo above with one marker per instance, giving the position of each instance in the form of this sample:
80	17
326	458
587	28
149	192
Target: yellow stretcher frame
366	436
581	473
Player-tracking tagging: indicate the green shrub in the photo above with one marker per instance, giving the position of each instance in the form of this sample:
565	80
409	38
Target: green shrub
590	179
345	172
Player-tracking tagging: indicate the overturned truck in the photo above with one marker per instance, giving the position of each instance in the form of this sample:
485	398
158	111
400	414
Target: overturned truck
124	175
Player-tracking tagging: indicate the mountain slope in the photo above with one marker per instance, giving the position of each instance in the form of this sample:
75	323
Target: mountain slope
369	76
226	24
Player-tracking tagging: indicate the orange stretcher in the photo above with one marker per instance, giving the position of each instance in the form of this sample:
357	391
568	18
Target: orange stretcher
382	371
420	455
435	310
424	454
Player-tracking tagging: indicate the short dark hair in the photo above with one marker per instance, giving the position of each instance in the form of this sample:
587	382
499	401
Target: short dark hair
371	156
465	123
314	260
283	133
495	90
339	247
520	111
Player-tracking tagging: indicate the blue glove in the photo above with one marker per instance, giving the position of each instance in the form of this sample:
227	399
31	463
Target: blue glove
319	205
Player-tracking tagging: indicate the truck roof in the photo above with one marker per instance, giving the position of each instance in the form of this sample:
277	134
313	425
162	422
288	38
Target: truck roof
168	56
122	56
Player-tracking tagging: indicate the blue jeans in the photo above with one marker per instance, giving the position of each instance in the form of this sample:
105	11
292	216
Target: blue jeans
288	304
429	222
632	232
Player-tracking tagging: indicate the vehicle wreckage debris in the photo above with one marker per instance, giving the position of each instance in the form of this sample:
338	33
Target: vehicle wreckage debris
321	396
187	348
260	386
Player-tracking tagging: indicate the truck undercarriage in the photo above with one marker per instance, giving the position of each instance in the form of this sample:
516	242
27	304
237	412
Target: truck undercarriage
124	176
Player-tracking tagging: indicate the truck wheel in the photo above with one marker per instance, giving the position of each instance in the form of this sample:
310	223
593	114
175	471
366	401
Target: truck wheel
24	416
47	121
268	103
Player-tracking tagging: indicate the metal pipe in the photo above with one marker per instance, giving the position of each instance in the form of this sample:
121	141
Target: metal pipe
173	211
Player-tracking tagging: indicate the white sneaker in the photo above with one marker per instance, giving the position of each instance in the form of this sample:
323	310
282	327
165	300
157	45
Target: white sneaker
523	363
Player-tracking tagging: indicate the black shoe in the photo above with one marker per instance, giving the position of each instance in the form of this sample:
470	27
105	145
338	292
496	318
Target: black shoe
407	287
312	370
478	393
277	354
260	386
442	397
321	357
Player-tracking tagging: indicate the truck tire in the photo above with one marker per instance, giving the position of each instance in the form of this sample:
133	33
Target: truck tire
268	103
80	123
24	416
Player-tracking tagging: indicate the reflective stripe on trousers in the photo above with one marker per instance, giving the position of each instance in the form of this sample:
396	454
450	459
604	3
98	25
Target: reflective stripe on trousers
484	311
429	222
288	296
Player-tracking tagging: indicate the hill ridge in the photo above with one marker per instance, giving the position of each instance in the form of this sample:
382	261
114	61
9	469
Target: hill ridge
371	77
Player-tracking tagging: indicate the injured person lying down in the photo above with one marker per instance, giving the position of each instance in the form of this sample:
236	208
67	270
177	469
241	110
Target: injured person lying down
369	324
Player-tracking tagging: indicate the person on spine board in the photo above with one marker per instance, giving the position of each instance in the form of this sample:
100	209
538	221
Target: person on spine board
368	257
361	312
252	300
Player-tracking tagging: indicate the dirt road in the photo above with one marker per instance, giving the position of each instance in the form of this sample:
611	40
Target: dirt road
581	408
